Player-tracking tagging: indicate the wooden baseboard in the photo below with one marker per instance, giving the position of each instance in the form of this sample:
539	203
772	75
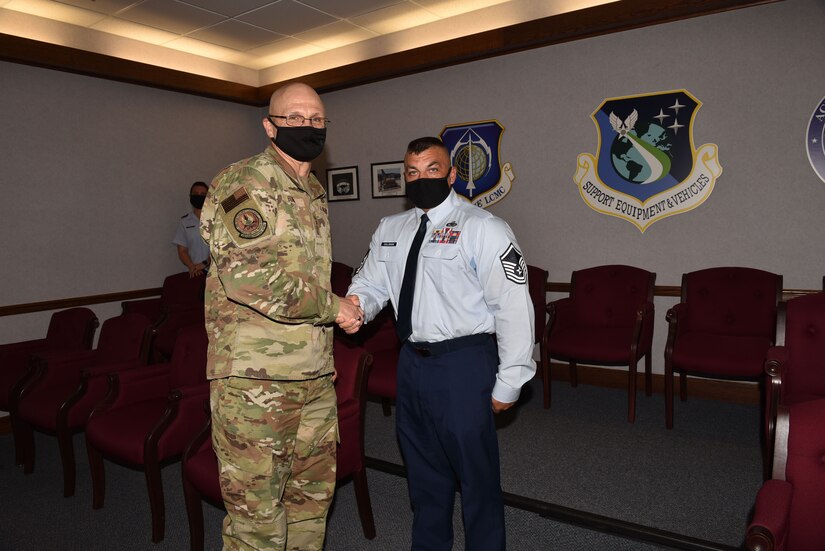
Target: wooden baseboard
5	425
740	392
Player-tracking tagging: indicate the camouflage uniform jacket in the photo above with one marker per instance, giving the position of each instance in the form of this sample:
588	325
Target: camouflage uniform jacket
268	293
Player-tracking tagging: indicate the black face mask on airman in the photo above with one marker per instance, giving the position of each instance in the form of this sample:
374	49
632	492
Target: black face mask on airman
197	201
426	193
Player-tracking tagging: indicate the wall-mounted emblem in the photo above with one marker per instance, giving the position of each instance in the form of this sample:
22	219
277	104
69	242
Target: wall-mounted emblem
474	152
646	167
815	140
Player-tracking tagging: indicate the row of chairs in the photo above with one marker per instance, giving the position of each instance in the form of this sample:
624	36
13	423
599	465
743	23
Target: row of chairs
62	374
722	327
112	367
731	323
145	414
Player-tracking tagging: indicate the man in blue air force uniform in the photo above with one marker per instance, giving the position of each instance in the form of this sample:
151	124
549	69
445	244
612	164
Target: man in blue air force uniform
464	314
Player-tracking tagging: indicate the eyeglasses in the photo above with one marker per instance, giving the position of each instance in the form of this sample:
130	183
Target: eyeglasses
299	120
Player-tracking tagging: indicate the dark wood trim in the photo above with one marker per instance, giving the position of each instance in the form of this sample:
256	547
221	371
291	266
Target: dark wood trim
739	392
5	424
63	58
586	23
63	303
658	290
59	304
676	291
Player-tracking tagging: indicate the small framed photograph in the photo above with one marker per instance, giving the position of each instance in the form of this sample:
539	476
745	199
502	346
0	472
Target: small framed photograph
388	180
342	184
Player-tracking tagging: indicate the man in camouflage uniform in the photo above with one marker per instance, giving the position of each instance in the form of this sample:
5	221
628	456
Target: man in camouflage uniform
268	310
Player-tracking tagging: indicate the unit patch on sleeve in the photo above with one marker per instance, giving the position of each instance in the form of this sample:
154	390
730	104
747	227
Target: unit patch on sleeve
515	269
249	223
242	218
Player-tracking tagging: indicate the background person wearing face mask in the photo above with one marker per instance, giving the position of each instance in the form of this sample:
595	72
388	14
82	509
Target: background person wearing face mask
192	250
269	307
466	320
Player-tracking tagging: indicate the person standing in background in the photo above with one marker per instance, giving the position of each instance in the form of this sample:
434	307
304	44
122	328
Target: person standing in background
192	250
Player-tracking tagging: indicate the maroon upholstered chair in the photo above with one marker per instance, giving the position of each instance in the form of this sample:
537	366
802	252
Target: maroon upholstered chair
796	365
606	320
722	328
537	283
59	391
380	339
179	305
340	278
788	512
353	365
200	465
148	417
72	329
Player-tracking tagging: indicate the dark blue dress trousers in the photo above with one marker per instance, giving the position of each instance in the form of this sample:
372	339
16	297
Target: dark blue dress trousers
447	435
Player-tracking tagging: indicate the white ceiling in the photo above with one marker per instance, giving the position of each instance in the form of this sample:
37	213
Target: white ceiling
257	42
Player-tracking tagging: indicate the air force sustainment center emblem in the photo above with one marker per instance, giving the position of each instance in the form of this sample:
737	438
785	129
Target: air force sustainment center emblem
474	152
646	167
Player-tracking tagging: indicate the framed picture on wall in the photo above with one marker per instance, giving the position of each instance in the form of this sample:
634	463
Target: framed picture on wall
388	180
342	184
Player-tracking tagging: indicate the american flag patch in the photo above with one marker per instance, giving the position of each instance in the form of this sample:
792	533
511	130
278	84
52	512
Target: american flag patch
515	269
233	201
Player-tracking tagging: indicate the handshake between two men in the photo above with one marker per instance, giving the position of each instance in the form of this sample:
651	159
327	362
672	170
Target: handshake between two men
350	314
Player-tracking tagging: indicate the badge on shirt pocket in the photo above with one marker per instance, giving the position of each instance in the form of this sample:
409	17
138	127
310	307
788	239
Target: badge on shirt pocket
242	217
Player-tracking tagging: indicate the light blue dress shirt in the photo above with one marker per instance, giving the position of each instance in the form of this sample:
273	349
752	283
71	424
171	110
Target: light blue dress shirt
188	234
471	279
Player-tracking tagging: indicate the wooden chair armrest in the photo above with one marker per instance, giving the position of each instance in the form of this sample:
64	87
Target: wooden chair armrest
560	312
136	385
768	529
149	307
57	368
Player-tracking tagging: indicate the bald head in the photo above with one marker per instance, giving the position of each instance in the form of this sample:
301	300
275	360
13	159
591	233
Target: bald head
293	96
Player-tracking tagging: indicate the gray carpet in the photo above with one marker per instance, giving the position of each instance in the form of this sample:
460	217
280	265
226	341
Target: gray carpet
698	479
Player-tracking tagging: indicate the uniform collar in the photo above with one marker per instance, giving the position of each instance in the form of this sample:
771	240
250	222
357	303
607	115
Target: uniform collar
309	185
439	213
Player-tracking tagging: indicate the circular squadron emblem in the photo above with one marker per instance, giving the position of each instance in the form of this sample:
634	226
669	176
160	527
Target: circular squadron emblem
815	140
249	223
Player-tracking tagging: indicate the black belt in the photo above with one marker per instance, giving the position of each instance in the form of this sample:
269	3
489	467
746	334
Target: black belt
428	349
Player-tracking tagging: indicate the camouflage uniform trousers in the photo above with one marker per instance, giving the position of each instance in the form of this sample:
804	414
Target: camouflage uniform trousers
275	442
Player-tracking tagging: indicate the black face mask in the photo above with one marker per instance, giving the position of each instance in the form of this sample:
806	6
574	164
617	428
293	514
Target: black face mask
197	201
426	193
302	143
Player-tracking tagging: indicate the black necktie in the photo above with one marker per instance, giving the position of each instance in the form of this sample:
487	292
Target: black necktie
404	324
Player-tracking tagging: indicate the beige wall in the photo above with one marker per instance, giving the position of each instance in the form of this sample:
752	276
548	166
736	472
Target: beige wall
757	71
95	176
